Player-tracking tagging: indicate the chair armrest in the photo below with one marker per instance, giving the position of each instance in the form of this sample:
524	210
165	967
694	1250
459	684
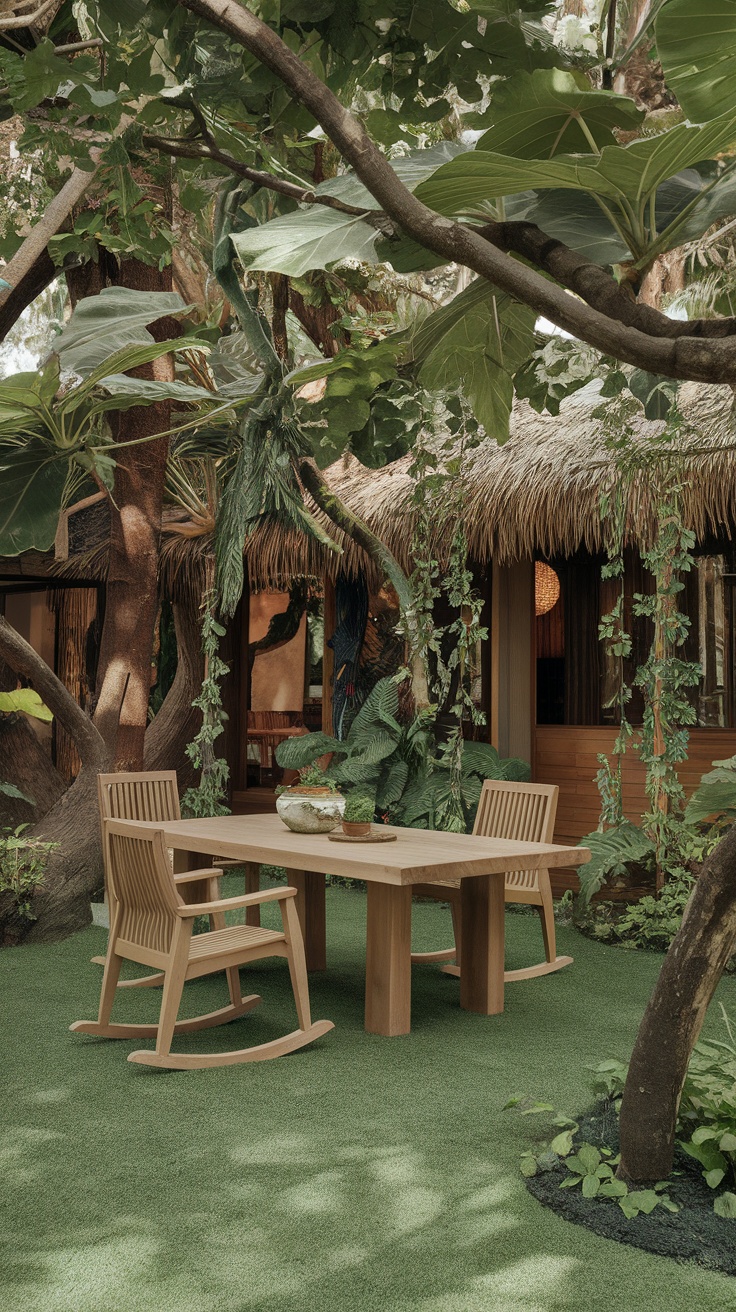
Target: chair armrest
232	903
190	875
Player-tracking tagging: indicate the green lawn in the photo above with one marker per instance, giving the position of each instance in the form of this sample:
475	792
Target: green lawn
362	1175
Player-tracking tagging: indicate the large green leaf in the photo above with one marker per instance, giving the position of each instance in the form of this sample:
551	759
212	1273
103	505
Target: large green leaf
553	112
476	343
296	243
572	217
126	392
114	320
26	700
611	851
10	790
625	178
696	43
305	749
32	480
319	237
628	174
379	710
714	796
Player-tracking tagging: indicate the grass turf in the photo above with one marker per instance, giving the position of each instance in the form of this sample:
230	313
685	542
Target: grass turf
361	1175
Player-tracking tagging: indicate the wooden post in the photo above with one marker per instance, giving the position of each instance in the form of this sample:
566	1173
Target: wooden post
310	906
328	655
388	959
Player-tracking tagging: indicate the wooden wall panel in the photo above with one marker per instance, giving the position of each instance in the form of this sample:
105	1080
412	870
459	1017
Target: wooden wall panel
566	755
511	662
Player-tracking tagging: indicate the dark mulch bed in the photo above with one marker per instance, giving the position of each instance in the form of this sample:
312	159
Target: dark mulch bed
694	1234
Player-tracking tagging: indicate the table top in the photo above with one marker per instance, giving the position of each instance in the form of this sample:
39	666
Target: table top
419	856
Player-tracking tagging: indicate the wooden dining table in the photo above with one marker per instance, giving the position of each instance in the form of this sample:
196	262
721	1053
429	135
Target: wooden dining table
390	869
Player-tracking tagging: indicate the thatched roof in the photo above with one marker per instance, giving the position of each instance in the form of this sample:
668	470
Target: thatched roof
539	493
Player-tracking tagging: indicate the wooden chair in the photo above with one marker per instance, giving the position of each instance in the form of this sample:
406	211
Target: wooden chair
267	729
152	925
509	810
153	795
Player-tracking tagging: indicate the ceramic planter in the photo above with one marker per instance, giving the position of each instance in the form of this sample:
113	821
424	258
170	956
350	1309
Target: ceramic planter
356	828
310	810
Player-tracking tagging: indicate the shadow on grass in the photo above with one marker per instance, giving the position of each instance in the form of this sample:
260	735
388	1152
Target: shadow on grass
359	1175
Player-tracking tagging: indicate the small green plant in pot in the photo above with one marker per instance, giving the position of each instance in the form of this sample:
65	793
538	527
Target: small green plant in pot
358	816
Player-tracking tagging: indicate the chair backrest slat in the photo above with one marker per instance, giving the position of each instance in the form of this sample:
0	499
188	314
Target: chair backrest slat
524	812
138	795
146	895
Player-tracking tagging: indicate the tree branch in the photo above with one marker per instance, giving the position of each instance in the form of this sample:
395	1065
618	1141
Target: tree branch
55	214
40	275
341	515
189	150
21	657
15	21
687	357
595	284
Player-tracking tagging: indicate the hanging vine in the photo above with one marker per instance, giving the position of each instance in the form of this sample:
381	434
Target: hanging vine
612	629
665	678
446	651
209	796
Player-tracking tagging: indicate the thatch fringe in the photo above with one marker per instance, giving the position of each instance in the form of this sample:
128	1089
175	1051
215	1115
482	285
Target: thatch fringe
541	492
538	494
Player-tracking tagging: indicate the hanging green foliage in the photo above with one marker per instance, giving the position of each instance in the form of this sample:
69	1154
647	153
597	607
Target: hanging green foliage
209	796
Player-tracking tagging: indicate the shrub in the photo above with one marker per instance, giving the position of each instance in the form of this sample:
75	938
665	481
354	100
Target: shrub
707	1118
397	761
23	863
310	777
706	1123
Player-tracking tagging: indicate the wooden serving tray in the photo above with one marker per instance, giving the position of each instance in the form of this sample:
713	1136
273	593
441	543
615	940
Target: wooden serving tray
376	837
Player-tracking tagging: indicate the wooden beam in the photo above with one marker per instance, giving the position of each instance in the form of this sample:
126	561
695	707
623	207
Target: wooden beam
328	655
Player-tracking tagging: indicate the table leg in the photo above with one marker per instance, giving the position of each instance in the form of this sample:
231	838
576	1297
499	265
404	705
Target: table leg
388	959
481	978
252	885
310	907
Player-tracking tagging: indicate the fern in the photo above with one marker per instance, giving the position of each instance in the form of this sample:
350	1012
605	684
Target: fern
611	852
393	785
380	707
295	753
355	771
483	760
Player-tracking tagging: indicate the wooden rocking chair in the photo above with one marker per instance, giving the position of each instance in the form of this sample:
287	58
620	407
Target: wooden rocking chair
525	812
153	926
154	795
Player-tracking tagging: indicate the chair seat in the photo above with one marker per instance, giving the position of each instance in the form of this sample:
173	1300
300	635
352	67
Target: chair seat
231	939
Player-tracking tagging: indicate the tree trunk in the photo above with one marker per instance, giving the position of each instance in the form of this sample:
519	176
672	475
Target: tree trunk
116	737
674	1017
178	721
38	277
131	603
28	765
62	904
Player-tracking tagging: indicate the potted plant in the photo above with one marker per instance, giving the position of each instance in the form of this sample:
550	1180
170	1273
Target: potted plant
313	804
358	815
